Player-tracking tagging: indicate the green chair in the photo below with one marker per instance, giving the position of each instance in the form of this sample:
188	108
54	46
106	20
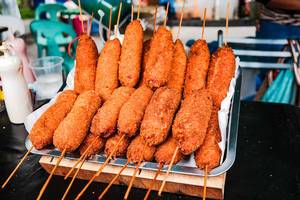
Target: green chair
51	32
50	11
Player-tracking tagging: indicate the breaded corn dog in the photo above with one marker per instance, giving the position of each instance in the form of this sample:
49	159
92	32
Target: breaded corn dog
42	131
74	128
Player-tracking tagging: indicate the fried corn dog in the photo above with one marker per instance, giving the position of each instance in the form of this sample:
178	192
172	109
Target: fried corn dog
191	122
197	67
209	154
159	62
107	69
86	63
165	152
97	143
74	128
132	112
138	150
159	115
131	54
146	48
42	131
221	71
177	73
112	142
213	125
104	123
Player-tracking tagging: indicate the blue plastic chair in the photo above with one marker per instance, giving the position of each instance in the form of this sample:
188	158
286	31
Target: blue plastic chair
49	12
51	32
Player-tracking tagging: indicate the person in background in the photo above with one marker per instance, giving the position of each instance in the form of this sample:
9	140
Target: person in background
279	19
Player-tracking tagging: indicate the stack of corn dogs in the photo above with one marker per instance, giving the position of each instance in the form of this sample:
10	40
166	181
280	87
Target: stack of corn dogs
143	100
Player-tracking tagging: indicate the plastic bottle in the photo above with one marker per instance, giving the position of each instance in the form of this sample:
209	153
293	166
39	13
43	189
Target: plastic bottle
16	94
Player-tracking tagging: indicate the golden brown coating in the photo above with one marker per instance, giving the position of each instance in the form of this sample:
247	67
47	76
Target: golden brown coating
159	115
209	154
104	122
213	126
191	122
74	128
132	112
177	73
131	54
166	150
112	142
160	58
96	142
107	69
146	48
197	67
43	129
138	150
221	71
86	63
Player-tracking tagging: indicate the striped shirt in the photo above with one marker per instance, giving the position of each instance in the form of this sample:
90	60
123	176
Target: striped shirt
279	16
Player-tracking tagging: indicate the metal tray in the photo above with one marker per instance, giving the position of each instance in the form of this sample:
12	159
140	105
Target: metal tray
187	165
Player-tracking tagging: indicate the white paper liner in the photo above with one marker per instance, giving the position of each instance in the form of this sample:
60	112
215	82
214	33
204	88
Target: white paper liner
223	113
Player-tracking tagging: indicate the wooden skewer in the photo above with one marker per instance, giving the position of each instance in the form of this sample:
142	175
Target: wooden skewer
17	167
227	16
109	25
100	169
119	15
153	181
132	179
81	18
204	184
91	24
168	172
154	23
139	10
166	17
180	22
73	179
113	180
131	12
51	174
203	25
80	159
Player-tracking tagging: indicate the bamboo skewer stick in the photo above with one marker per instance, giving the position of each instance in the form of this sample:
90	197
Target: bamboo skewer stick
113	180
119	15
80	159
131	13
17	167
139	10
91	24
100	169
204	184
153	181
81	18
227	16
168	172
73	179
166	17
154	23
132	179
180	22
109	25
203	25
51	174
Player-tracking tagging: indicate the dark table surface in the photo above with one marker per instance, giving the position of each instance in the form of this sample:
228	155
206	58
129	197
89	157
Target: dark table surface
266	167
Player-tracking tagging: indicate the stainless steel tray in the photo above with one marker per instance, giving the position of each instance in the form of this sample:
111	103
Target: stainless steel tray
187	165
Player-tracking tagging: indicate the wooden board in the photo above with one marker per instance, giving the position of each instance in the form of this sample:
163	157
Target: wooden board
176	183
